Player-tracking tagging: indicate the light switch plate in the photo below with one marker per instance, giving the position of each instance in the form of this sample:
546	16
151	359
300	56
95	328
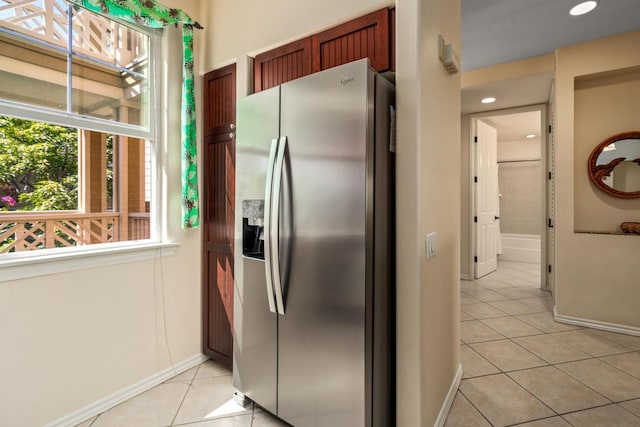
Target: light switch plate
430	246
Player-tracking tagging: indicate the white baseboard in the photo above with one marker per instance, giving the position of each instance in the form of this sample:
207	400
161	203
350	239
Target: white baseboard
451	395
126	393
465	277
596	324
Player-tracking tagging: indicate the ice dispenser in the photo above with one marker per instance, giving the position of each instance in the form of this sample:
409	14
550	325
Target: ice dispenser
253	228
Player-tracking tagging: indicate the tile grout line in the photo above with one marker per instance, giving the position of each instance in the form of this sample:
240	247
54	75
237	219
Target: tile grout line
502	372
475	407
521	314
539	419
485	359
596	407
589	331
625	409
531	353
513	317
506	338
555	365
571	412
615	367
173	420
595	357
523	369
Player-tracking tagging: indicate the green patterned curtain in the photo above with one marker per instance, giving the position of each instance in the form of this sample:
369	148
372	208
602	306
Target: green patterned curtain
152	14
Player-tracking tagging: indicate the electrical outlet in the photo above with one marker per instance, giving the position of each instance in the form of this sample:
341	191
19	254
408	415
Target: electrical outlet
430	245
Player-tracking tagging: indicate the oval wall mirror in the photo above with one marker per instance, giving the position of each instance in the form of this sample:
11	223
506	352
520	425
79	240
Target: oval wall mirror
614	165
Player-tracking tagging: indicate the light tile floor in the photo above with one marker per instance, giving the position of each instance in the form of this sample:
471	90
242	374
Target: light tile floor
523	368
520	368
199	397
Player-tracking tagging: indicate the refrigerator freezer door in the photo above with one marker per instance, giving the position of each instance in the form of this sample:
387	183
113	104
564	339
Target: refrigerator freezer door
255	326
322	335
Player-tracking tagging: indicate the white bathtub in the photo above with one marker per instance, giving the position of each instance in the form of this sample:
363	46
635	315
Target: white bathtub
520	248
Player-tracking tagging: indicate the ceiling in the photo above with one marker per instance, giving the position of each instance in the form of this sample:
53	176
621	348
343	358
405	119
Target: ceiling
528	90
500	31
514	127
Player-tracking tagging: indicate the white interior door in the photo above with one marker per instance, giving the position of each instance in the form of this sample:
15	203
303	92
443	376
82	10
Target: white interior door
486	200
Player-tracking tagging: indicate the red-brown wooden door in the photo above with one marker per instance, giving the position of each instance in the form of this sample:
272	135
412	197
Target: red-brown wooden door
364	37
218	212
282	64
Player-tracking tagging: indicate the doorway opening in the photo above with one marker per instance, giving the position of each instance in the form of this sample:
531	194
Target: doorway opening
509	215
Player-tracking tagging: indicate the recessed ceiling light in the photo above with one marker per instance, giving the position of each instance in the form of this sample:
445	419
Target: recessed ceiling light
530	135
583	8
488	100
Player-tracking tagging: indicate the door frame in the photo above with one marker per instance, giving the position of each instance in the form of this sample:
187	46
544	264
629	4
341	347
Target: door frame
544	132
550	186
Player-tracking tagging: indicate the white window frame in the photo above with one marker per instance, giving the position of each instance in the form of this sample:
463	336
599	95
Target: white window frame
41	262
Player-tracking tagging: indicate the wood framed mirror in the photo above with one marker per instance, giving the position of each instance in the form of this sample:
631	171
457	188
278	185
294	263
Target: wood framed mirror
614	165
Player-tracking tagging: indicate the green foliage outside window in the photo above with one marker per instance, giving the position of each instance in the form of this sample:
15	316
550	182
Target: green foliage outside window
38	164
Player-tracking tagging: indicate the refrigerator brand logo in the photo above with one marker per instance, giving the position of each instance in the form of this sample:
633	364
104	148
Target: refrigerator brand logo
345	80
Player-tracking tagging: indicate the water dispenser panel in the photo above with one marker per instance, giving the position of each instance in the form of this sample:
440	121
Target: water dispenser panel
253	229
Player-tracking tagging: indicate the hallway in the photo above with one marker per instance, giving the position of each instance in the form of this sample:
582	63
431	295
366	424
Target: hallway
523	368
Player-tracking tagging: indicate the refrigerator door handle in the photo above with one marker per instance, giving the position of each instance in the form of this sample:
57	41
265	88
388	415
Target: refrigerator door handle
267	225
275	224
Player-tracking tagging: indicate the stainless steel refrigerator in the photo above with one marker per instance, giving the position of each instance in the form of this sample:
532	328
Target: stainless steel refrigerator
314	249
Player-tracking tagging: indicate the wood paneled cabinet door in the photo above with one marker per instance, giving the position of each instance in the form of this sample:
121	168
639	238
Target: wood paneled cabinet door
282	64
218	204
364	37
370	36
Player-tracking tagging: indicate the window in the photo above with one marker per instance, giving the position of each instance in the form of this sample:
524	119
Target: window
77	127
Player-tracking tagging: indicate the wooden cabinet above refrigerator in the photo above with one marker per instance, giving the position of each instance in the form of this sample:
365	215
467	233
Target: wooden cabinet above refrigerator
371	36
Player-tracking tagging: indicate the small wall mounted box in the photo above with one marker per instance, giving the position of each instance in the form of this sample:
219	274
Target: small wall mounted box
448	56
430	246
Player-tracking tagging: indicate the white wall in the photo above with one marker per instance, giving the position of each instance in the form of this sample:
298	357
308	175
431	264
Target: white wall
428	201
596	274
525	149
521	207
73	338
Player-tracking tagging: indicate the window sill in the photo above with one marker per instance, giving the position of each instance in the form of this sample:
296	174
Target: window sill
24	266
